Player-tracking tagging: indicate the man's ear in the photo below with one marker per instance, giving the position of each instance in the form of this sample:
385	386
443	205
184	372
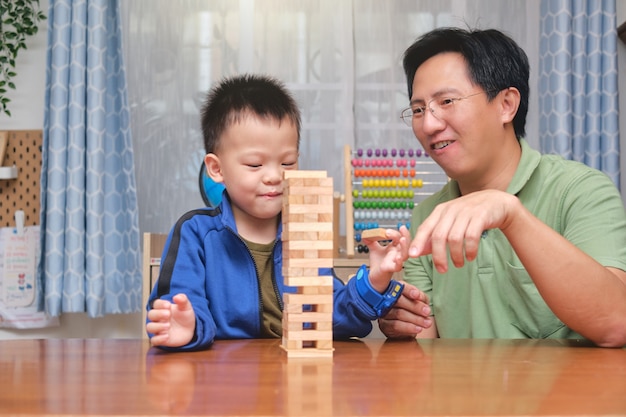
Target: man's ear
213	167
510	104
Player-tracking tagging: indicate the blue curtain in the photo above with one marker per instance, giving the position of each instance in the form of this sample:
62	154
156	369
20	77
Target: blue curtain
91	259
578	98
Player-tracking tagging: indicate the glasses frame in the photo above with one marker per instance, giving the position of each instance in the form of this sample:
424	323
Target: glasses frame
408	114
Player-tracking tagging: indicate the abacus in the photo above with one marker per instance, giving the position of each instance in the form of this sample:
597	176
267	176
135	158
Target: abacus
381	188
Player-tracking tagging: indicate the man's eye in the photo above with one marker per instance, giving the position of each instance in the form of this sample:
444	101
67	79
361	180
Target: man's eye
418	111
445	102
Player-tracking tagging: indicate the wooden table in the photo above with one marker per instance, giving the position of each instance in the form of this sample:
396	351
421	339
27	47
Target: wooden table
365	378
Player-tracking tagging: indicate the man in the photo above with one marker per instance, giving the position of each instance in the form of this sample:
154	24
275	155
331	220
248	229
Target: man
517	244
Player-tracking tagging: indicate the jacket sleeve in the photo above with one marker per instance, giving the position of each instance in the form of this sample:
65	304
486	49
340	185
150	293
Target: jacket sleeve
352	316
183	270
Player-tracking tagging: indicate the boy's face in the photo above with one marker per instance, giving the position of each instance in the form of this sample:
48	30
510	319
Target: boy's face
250	161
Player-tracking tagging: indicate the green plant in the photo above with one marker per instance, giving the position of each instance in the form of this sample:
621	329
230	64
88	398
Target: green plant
18	20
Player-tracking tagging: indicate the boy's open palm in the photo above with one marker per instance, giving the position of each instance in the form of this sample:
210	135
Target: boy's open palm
172	324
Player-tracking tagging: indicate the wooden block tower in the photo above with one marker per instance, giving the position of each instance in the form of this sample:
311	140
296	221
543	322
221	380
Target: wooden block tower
308	246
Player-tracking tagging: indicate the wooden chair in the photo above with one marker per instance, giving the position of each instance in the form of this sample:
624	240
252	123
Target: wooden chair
153	244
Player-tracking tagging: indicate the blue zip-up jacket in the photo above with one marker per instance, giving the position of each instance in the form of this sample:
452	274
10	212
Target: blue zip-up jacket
205	259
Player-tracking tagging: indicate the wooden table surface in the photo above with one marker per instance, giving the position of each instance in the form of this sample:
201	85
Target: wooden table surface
363	378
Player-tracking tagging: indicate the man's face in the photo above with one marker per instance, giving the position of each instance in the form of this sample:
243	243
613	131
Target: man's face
459	128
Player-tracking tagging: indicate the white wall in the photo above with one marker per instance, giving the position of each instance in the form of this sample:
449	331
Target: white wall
27	113
27	100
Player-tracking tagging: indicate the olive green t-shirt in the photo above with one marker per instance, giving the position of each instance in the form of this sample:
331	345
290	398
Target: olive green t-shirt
493	296
271	325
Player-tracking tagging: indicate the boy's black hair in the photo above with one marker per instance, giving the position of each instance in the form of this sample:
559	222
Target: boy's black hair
235	98
494	61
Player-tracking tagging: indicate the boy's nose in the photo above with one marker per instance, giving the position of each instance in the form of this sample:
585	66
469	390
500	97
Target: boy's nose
273	175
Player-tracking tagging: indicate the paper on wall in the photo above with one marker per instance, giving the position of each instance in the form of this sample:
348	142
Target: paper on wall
18	280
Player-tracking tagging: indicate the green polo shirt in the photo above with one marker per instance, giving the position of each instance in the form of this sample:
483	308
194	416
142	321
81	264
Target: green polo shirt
493	296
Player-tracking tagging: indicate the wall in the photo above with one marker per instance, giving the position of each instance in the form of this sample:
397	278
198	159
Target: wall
28	99
27	110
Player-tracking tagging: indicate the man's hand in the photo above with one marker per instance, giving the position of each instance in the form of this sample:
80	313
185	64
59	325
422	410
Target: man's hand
410	316
457	225
171	324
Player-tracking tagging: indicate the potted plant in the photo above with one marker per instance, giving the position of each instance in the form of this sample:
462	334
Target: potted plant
18	20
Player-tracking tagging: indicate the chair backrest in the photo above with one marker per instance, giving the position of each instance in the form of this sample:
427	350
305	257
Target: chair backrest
210	191
153	244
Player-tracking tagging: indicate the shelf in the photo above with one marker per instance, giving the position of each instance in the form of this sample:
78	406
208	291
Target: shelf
8	173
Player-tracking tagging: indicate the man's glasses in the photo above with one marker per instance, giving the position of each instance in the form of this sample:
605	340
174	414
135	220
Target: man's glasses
440	107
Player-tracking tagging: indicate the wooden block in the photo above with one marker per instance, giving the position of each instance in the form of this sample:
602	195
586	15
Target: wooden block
378	233
323	325
305	335
312	289
324	344
299	272
324	308
309	317
310	208
307	353
326	199
304	174
299	308
326	236
326	262
326	254
302	299
292	344
310	190
314	281
308	244
325	218
289	235
290	326
308	227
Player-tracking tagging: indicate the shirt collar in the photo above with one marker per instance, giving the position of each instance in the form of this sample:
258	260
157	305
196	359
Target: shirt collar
528	163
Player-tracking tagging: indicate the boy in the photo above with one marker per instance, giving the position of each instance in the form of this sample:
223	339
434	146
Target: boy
221	271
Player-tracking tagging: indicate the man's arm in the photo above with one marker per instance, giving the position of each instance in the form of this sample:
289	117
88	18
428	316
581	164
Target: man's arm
588	297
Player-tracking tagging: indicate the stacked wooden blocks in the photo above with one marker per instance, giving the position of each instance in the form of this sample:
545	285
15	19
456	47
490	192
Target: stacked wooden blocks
307	237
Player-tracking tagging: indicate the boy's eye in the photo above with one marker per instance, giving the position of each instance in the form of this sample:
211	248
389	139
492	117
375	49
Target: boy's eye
288	164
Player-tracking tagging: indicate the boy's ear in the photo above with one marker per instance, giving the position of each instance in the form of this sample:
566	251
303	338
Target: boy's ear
213	167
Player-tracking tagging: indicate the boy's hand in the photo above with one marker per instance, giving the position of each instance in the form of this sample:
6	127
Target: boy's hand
171	324
387	254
